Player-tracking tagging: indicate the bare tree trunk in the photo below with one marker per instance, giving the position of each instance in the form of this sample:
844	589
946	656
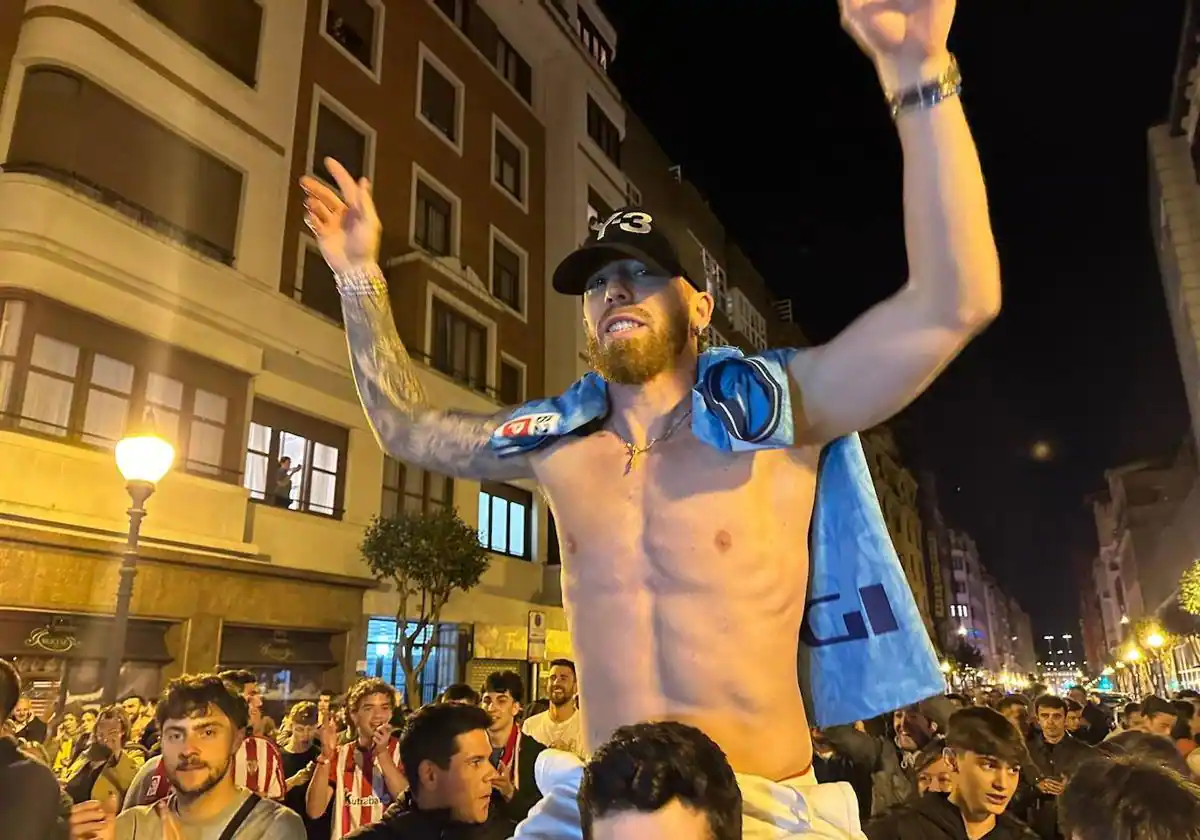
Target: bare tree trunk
401	652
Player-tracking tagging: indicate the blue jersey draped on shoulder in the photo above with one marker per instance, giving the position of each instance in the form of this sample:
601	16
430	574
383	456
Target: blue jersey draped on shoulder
863	648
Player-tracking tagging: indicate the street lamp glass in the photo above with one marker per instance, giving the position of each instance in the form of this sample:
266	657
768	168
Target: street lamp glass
144	458
1155	640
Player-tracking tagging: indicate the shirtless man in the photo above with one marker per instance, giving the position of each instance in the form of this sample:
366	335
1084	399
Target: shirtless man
672	559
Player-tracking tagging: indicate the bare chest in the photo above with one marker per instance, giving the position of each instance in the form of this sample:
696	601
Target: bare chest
684	519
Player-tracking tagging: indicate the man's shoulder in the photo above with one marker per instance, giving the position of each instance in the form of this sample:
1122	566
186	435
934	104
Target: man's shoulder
276	821
28	775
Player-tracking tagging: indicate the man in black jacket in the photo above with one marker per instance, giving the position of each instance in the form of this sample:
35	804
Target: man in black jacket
29	796
514	753
1055	756
986	753
446	756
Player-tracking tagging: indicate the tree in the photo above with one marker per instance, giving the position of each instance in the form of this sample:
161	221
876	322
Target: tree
426	557
1189	589
966	655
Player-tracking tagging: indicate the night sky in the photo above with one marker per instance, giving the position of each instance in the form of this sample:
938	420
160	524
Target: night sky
778	119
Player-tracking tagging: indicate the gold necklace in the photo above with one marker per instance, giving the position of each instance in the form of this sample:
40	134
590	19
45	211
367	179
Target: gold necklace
632	452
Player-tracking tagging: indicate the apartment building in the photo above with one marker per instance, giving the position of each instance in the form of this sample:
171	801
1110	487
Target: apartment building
896	489
155	267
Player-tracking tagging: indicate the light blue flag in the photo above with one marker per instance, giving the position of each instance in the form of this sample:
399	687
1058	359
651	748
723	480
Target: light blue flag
863	649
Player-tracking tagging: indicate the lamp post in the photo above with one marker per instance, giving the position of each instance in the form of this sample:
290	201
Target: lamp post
143	459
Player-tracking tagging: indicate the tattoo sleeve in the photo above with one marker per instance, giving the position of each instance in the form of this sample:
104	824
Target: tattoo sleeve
407	427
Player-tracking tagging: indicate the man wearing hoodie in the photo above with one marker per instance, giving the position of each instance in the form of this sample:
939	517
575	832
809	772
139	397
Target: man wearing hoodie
446	755
985	752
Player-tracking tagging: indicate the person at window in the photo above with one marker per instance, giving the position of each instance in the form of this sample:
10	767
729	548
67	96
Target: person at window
985	754
29	794
655	780
460	693
203	722
281	483
514	754
110	762
651	597
364	776
560	726
1127	799
445	753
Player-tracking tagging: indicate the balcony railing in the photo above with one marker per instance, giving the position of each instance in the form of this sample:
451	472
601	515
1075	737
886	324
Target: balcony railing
114	200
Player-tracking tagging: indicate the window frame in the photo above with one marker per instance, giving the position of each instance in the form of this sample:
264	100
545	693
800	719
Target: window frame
522	200
307	246
486	327
207	51
594	42
495	235
426	57
374	73
92	335
321	97
428	478
512	495
281	418
523	372
455	227
603	123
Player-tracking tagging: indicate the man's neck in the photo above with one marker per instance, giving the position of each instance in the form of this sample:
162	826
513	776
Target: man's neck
563	713
365	741
210	803
1052	741
499	738
977	825
644	412
297	747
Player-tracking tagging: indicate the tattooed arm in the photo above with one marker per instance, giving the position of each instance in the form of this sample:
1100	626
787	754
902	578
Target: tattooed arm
407	427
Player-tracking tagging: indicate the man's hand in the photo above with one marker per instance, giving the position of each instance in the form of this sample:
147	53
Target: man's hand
503	782
93	820
346	226
329	737
906	39
1051	787
381	737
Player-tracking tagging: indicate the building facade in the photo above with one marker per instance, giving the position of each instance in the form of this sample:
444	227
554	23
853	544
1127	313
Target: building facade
896	489
157	270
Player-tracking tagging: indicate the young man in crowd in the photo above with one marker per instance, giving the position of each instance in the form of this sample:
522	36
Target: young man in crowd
446	755
1128	799
560	727
203	723
259	766
514	754
362	777
1054	756
29	795
660	780
1158	716
109	764
985	753
1016	708
460	693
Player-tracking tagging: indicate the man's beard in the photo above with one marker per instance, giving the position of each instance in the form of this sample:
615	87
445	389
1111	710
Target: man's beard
558	697
211	781
634	361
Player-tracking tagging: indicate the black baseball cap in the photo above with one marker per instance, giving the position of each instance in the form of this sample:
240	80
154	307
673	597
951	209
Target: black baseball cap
628	234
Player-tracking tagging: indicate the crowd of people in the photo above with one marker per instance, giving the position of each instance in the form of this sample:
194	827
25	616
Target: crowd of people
205	763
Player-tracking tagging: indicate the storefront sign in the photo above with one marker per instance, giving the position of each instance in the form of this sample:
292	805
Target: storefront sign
935	577
537	636
52	639
278	649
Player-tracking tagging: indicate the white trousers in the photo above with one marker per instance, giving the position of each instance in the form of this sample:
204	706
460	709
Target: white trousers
770	810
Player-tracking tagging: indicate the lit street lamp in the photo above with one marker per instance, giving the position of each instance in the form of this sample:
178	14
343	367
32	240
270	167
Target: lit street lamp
143	459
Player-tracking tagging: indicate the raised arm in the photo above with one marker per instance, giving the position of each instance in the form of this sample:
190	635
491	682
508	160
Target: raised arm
407	427
889	355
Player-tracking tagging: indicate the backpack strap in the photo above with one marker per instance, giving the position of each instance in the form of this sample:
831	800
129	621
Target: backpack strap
243	813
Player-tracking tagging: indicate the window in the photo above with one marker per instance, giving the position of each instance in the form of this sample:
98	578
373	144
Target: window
507	274
748	320
441	668
411	489
603	132
508	164
314	285
175	189
337	137
225	31
440	102
593	41
633	196
512	383
597	209
66	375
715	339
514	68
356	27
459	346
451	9
715	281
505	514
433	222
314	480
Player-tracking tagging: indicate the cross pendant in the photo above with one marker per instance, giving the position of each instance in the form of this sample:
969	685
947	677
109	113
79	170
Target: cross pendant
632	452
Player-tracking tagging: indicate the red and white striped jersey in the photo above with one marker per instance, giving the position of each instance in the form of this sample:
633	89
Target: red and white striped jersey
258	766
359	798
